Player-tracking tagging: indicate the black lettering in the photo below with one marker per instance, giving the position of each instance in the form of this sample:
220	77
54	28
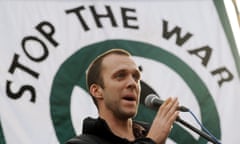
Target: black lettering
98	16
77	12
127	18
206	51
15	64
177	30
225	75
34	39
21	91
45	33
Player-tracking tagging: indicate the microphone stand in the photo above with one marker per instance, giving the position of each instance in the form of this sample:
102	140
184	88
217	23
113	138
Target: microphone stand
201	133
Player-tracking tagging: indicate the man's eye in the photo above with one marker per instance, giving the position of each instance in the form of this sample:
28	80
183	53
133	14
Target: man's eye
136	77
120	75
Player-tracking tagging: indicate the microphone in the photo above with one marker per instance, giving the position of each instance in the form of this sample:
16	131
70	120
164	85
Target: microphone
154	102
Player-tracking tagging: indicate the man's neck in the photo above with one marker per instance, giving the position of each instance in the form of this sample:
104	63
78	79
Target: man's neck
121	128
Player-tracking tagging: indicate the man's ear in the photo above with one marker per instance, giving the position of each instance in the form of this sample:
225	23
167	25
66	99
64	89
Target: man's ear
96	91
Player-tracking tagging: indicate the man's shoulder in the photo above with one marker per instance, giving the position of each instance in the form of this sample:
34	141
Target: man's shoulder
86	139
82	139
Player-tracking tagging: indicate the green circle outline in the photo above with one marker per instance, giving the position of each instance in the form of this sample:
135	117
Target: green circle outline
72	72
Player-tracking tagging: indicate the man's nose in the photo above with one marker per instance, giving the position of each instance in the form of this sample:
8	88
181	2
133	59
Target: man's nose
132	83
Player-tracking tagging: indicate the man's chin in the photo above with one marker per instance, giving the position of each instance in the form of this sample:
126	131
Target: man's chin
128	114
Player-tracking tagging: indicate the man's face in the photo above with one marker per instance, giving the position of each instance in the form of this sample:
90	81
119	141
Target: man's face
121	90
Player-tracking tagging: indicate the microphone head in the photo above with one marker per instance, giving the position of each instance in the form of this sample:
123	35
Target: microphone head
154	102
149	100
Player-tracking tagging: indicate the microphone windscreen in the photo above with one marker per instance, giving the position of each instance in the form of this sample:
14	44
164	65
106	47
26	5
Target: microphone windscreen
148	100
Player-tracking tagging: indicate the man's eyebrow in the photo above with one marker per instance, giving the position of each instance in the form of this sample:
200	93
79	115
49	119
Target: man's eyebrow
120	71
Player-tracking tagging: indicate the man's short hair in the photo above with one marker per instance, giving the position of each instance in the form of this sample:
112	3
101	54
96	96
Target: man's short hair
94	70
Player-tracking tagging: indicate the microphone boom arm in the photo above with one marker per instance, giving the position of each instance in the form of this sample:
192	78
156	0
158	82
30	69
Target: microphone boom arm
201	133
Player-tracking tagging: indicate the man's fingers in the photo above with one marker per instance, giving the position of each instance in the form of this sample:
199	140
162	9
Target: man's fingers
164	119
173	108
169	106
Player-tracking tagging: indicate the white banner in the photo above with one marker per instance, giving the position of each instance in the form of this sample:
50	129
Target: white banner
184	49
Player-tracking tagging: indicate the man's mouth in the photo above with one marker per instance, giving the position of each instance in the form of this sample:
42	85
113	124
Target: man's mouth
129	98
